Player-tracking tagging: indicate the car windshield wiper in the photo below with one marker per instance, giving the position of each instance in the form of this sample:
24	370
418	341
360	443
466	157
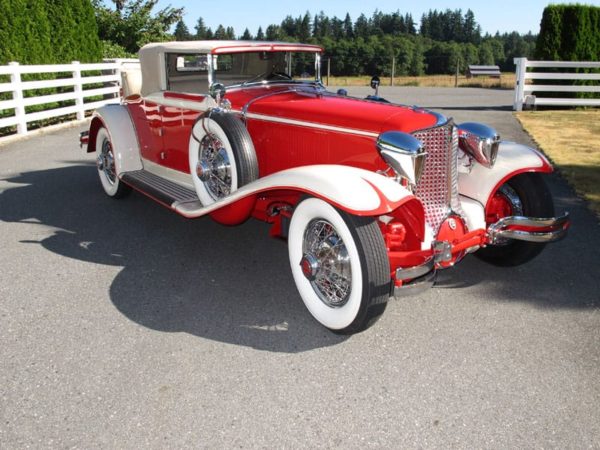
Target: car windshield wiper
254	79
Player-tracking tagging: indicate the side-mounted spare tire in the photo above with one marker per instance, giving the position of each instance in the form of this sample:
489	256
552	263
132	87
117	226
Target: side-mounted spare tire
222	157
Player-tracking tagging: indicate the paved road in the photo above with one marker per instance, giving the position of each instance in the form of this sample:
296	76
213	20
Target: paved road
124	325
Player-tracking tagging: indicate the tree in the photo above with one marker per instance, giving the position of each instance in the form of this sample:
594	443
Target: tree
135	24
220	33
361	27
201	30
182	33
46	31
260	36
246	36
274	33
569	33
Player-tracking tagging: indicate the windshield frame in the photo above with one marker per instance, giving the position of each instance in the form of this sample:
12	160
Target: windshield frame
213	77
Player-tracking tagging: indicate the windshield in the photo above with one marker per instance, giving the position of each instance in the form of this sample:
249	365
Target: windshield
256	67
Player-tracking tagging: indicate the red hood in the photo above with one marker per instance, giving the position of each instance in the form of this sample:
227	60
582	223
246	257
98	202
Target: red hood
330	109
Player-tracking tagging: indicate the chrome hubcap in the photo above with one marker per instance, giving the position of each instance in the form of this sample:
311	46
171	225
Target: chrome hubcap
213	167
326	263
106	162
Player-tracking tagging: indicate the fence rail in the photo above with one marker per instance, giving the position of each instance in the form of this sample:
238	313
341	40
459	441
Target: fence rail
524	90
81	81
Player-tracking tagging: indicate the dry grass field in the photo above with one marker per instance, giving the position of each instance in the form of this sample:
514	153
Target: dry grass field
570	139
507	81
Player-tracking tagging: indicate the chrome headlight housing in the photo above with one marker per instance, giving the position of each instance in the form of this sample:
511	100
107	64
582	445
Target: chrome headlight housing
404	153
480	141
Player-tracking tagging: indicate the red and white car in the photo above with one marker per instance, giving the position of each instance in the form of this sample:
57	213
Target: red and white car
372	197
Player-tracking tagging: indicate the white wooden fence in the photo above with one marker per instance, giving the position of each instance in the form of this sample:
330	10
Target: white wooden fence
523	90
77	86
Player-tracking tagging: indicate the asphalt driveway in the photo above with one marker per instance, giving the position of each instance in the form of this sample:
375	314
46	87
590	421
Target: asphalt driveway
123	325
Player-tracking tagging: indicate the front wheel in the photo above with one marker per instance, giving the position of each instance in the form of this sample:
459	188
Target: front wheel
340	266
523	195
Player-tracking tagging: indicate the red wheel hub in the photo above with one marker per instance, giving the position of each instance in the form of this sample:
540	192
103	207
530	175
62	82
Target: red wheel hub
498	207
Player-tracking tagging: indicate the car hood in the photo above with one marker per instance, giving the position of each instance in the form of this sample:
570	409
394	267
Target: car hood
326	108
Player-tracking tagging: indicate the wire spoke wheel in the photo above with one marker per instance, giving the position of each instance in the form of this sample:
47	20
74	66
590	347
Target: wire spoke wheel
106	161
221	156
106	164
340	265
214	167
333	279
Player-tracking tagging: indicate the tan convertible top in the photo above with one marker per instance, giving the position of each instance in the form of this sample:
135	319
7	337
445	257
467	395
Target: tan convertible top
152	56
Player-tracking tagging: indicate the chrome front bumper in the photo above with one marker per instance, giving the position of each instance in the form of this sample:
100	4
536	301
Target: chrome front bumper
532	229
421	278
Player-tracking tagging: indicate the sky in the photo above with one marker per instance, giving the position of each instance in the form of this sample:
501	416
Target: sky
504	16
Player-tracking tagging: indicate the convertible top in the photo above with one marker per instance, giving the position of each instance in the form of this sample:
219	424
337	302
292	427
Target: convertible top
152	56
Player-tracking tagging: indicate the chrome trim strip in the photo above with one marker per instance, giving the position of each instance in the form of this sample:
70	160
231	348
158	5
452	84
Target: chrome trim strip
559	227
269	94
318	126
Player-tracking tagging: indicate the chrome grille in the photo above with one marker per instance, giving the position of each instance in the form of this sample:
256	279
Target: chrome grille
438	187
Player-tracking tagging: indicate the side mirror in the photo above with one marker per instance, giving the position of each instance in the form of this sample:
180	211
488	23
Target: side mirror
375	82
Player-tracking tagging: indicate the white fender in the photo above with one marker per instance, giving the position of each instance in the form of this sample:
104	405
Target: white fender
357	191
117	121
480	182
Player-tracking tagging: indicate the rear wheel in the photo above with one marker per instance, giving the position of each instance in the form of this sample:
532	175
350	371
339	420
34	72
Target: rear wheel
107	168
340	266
523	195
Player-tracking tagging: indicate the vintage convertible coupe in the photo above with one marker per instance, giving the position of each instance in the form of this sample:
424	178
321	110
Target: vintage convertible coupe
372	197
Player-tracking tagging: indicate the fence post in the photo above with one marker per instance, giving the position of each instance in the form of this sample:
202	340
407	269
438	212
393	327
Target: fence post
78	89
328	70
393	70
17	93
118	72
521	69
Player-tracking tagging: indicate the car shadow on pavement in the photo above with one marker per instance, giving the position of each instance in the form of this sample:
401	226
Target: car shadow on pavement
233	284
229	284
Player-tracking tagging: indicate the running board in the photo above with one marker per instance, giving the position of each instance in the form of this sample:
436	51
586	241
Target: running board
164	191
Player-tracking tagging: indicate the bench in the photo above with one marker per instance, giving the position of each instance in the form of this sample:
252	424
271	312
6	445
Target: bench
487	71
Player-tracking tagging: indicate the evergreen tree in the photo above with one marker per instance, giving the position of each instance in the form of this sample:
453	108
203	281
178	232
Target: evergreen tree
220	33
47	31
246	36
260	36
201	30
182	33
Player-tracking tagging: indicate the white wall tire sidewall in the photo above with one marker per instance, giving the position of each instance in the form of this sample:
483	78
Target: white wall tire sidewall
198	131
110	188
332	318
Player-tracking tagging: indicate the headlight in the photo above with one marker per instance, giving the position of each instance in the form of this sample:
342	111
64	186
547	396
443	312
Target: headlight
404	153
479	141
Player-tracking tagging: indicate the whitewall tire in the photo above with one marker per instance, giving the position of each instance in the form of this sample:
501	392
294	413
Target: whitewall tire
107	166
221	156
339	264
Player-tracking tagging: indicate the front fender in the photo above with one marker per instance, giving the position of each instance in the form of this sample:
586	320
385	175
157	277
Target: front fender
117	121
356	191
480	182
